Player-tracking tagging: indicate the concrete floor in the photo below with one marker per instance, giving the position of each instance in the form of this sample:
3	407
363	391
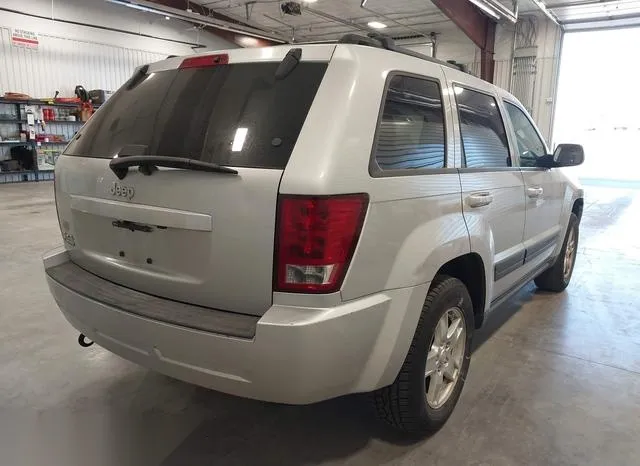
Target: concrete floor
555	379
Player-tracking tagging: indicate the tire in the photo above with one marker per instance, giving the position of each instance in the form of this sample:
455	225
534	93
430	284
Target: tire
556	278
405	404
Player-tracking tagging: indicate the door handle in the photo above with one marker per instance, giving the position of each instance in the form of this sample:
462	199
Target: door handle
535	191
480	199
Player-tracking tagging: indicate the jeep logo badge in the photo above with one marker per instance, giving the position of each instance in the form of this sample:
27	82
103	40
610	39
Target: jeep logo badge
121	190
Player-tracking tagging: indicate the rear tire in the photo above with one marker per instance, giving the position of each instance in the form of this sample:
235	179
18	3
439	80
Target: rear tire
557	277
412	404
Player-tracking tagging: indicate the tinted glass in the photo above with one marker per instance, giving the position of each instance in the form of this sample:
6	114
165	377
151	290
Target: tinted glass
484	140
237	115
411	132
530	146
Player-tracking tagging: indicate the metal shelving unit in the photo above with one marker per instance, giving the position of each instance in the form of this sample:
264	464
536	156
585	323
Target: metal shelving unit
13	120
20	175
19	119
14	143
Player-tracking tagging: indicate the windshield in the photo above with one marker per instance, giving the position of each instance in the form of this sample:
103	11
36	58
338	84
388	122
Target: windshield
237	115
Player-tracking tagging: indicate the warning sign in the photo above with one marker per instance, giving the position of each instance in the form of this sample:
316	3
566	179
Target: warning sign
22	38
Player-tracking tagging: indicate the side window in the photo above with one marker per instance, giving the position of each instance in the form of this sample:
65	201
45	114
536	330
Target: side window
411	132
530	146
484	140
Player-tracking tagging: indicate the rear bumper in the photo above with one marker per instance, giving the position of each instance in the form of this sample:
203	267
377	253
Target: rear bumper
297	355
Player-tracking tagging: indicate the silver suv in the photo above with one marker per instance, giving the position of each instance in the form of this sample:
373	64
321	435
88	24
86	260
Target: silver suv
297	223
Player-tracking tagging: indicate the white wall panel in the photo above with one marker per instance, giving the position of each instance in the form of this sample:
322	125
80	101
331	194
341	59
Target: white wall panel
453	44
72	53
502	74
61	64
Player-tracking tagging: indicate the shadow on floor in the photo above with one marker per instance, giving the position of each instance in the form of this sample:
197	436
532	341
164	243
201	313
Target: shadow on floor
261	433
294	435
500	315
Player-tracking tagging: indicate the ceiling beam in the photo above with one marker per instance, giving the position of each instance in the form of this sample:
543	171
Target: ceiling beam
477	26
467	17
487	63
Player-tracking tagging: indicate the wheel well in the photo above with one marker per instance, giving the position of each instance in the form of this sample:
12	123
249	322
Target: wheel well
578	205
469	269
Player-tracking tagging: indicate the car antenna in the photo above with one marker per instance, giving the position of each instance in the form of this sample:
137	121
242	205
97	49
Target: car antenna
289	63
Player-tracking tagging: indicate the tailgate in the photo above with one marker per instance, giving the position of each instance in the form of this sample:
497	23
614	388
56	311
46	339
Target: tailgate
198	237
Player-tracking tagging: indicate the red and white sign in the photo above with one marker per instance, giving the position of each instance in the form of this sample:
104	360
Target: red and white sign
22	38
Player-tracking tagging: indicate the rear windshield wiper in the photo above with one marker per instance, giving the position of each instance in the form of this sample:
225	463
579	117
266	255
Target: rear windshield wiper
147	163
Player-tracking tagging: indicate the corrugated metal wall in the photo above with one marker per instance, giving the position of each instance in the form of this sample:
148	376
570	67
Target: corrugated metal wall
524	77
501	72
61	64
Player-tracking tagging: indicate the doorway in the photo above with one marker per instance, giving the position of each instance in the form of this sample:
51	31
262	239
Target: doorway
598	101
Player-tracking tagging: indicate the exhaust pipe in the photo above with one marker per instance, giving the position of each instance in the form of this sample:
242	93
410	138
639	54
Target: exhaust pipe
84	341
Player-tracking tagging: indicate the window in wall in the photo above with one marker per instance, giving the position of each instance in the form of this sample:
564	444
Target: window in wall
484	140
411	132
530	146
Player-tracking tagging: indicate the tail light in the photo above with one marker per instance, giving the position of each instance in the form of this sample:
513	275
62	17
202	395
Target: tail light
203	61
315	241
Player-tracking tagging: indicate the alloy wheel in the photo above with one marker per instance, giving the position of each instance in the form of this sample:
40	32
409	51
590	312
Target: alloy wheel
569	255
445	357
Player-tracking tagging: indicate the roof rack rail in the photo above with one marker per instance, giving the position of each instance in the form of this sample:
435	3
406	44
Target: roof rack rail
380	41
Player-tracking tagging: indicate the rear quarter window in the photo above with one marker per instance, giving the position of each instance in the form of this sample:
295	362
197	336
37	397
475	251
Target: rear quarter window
238	115
410	137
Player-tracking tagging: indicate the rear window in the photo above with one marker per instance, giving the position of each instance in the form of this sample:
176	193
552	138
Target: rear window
237	115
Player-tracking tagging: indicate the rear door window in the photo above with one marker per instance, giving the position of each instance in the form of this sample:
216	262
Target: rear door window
237	115
484	140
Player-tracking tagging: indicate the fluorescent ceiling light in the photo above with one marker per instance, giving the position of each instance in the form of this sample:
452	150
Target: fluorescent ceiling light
376	25
309	1
247	41
485	8
238	140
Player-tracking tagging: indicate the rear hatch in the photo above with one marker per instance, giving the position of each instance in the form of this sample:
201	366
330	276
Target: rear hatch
201	237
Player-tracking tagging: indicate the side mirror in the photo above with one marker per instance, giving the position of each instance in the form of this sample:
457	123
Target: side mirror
568	155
